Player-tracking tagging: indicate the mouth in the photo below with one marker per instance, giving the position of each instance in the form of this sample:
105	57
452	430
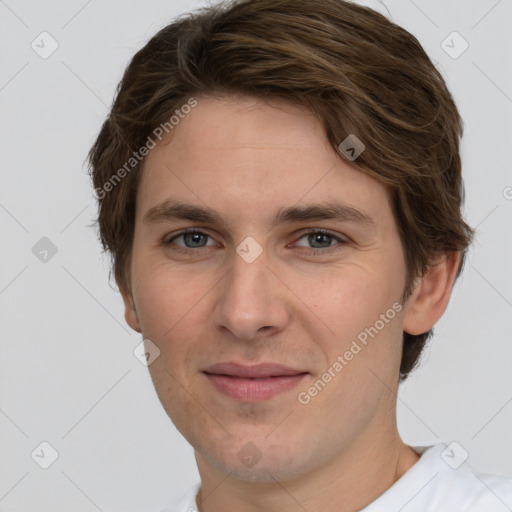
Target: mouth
253	383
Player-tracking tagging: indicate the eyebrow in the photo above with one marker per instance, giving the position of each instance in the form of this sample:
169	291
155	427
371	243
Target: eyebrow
171	210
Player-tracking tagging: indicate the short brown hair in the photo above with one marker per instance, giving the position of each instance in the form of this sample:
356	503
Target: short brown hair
357	71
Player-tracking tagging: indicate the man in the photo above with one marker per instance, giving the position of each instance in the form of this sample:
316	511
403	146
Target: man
280	188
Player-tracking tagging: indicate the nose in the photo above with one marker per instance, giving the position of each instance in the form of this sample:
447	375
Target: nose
252	301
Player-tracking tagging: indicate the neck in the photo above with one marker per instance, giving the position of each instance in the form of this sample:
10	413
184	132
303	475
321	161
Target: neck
349	482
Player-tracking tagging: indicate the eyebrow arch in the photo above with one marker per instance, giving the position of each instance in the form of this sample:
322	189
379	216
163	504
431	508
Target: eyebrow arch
170	210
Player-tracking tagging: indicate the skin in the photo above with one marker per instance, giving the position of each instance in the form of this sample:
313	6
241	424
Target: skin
246	159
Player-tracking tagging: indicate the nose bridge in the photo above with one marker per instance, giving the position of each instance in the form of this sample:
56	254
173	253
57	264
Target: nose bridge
248	300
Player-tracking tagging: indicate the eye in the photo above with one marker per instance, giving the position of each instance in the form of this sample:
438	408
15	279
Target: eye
317	241
192	239
320	239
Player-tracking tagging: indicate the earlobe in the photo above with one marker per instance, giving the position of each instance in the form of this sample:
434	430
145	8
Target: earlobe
130	312
431	295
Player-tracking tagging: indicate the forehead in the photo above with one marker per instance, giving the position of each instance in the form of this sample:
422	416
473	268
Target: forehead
230	123
242	153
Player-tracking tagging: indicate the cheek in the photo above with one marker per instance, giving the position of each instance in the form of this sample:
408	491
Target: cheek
172	308
169	304
349	300
166	297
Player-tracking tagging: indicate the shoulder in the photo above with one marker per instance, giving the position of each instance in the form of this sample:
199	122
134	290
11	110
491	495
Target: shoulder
468	491
443	481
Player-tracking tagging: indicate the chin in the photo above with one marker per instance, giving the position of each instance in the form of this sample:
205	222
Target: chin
266	462
261	473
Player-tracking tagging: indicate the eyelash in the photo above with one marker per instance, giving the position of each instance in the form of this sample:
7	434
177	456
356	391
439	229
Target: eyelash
313	252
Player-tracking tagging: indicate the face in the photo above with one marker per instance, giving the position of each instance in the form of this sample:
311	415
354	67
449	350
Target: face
268	276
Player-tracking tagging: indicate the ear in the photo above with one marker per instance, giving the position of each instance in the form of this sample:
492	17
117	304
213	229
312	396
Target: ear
430	297
130	313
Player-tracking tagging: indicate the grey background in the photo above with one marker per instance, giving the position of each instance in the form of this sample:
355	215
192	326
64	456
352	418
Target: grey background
68	375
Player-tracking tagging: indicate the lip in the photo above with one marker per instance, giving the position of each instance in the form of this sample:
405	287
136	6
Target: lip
256	371
253	383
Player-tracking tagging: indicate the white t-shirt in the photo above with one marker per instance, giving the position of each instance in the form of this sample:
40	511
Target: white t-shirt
438	482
